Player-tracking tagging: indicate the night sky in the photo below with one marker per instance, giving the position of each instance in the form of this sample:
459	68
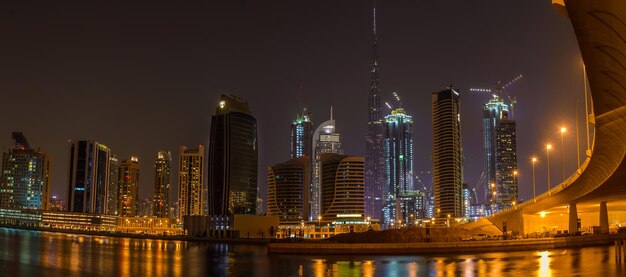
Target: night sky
144	78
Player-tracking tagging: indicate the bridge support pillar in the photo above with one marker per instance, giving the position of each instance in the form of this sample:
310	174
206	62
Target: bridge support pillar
573	219
604	218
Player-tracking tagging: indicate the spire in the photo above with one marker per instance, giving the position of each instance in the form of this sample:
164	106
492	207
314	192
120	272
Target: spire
375	114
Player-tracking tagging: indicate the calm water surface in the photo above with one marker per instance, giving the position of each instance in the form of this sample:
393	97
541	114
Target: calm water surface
30	253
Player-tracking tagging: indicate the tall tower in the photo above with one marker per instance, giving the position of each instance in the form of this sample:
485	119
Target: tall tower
190	181
128	191
326	141
493	112
506	164
447	159
114	169
233	159
374	141
301	136
25	175
398	165
162	180
88	177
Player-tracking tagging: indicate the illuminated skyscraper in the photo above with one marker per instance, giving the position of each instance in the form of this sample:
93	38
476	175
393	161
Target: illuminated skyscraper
447	158
233	159
326	141
493	112
114	169
25	175
162	180
288	190
301	136
398	165
88	177
190	181
506	164
128	188
342	188
374	141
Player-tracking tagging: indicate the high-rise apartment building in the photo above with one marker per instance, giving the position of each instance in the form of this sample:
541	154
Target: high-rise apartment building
447	157
89	174
24	176
288	190
326	141
342	188
398	165
162	181
128	188
301	136
493	112
190	181
114	169
233	159
374	141
506	164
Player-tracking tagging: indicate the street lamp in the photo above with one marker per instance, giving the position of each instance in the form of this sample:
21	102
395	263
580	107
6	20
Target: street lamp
563	130
319	223
534	193
548	147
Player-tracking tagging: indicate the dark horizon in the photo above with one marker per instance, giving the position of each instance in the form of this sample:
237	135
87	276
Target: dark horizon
140	79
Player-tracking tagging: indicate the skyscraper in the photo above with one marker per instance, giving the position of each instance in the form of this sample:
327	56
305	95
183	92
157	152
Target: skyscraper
506	164
25	175
374	141
288	190
190	181
233	159
493	112
343	188
301	136
128	188
114	169
447	159
398	165
326	141
162	180
88	177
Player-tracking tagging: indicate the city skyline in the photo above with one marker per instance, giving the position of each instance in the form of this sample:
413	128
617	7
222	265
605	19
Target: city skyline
397	74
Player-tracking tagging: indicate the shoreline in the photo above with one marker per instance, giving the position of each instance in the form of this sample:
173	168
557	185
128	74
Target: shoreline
426	248
140	236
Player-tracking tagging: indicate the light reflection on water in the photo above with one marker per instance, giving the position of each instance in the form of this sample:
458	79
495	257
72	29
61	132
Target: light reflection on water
39	253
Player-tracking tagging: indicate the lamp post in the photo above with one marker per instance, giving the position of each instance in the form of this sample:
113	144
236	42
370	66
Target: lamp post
515	183
319	222
548	147
534	193
563	130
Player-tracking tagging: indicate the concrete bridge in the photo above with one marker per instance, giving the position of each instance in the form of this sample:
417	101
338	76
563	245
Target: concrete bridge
596	192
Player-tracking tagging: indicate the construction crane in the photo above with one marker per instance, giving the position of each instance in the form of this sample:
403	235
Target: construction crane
500	88
397	97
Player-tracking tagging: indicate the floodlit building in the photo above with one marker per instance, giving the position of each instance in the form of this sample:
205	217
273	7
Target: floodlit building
301	136
25	176
506	164
447	158
162	181
114	175
342	188
128	188
190	181
89	174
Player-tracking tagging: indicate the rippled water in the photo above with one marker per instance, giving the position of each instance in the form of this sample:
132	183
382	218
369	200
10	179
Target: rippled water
30	253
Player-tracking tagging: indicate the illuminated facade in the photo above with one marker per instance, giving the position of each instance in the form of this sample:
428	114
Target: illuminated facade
233	159
506	164
128	188
25	175
114	175
301	136
342	188
88	177
288	190
493	112
375	182
190	181
467	201
326	141
162	181
398	164
447	158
